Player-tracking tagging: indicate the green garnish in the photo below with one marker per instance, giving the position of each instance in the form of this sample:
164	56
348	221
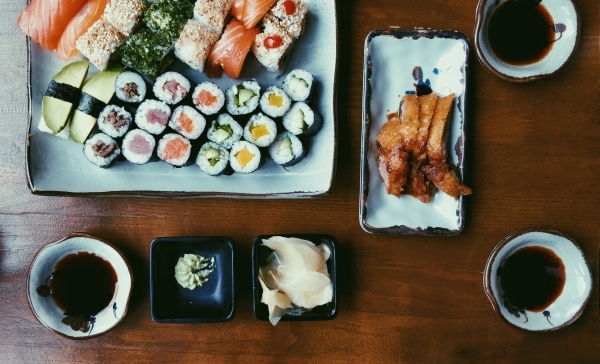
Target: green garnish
145	51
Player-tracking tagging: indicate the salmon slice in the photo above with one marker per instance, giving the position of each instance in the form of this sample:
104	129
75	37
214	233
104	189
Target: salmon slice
175	149
238	9
254	10
235	60
220	51
66	48
44	21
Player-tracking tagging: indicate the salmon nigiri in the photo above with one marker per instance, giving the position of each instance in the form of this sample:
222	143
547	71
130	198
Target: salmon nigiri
219	52
235	60
46	20
66	48
237	10
254	10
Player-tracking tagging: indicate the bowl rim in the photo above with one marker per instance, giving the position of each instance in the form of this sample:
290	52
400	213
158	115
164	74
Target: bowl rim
62	240
487	275
479	22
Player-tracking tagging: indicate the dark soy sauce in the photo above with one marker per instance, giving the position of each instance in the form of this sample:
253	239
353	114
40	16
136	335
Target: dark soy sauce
521	33
532	278
83	284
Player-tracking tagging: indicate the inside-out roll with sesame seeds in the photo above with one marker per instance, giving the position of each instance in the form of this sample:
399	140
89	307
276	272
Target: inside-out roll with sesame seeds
272	46
225	131
298	84
99	43
138	146
275	102
174	149
153	116
243	99
287	149
212	14
130	87
101	150
124	15
213	158
171	87
260	130
187	121
114	121
208	98
194	44
302	120
244	157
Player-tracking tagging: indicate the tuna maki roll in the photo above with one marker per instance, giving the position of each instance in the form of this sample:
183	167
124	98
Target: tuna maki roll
138	146
213	158
260	130
153	116
275	102
302	120
114	121
243	99
208	98
187	122
171	87
298	84
101	150
287	149
174	149
244	157
130	87
225	131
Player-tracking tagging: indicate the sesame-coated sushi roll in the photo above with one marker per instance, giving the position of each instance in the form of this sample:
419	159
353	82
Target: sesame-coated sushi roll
260	130
153	116
225	131
208	98
298	84
138	146
124	15
275	102
243	99
244	157
114	121
194	44
99	43
302	120
130	87
188	122
171	87
174	149
271	47
287	149
212	13
213	158
101	150
288	14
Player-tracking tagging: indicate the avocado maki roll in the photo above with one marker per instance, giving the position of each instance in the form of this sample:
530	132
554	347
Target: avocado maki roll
275	102
225	131
260	130
243	99
302	120
298	84
114	121
287	149
101	150
212	159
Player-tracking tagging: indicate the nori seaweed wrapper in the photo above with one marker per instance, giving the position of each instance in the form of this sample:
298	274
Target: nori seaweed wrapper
168	16
146	52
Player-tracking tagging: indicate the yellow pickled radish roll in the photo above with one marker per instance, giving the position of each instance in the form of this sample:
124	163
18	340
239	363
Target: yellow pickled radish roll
244	157
275	102
260	130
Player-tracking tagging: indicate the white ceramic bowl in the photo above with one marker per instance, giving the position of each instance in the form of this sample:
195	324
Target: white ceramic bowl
48	313
576	292
565	18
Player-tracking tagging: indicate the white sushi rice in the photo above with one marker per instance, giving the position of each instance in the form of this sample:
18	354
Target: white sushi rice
282	152
171	87
130	87
165	142
96	145
242	146
260	121
225	131
114	121
192	130
142	116
213	158
194	44
138	146
213	90
299	119
232	96
270	99
298	84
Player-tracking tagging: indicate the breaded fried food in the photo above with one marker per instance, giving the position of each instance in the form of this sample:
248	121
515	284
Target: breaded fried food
409	114
445	179
392	159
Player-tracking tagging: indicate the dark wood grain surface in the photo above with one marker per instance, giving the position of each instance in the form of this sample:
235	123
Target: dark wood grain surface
533	159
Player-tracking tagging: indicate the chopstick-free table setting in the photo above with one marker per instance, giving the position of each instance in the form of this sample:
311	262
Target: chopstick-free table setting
198	273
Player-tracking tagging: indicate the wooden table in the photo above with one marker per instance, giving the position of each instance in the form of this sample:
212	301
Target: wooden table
533	159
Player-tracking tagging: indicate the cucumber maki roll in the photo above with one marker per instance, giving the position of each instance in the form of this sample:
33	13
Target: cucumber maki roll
302	120
171	87
298	84
130	87
275	102
138	146
101	150
212	159
187	122
287	149
114	121
225	131
244	157
153	116
243	99
260	130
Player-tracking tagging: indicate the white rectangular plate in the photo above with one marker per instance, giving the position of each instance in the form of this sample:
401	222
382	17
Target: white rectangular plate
391	57
58	167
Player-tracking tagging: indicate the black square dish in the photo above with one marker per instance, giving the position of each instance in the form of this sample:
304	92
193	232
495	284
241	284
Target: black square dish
213	302
259	254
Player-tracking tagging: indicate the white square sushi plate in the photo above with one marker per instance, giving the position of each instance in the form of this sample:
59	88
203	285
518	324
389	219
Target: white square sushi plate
391	58
57	166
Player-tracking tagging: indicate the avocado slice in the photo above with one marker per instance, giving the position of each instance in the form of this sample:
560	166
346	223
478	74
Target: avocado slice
56	112
102	87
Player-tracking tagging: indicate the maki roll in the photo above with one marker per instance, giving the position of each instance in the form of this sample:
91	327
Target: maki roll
287	149
174	149
213	158
208	98
244	157
194	44
187	122
101	150
138	146
302	120
225	131
130	87
171	87
275	102
114	121
260	130
243	99
298	84
153	116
